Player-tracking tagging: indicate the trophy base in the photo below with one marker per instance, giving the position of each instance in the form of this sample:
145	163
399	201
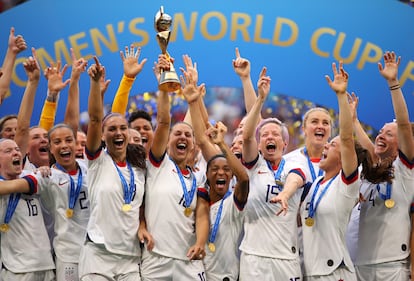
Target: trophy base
169	82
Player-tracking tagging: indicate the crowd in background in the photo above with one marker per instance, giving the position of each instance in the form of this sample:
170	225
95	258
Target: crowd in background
138	193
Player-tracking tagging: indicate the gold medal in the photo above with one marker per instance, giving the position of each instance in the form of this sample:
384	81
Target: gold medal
389	203
126	207
4	227
187	212
69	213
309	221
212	247
279	182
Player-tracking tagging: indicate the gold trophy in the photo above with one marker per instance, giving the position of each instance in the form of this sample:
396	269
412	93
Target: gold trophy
169	81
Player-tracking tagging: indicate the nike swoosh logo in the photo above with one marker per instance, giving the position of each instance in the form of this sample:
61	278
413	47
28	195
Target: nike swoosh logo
62	183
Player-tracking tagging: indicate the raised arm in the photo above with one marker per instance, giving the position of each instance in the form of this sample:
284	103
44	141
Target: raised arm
72	107
32	69
55	84
359	131
390	73
132	67
250	148
193	95
95	107
339	86
242	68
16	44
159	144
241	189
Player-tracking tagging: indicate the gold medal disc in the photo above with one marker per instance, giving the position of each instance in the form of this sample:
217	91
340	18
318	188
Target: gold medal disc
309	221
389	203
279	182
187	212
212	247
126	207
4	227
69	213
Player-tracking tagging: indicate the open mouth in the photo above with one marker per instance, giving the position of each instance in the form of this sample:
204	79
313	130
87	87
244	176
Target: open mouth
319	135
79	155
238	154
221	183
118	142
181	146
144	140
65	154
43	149
16	162
271	147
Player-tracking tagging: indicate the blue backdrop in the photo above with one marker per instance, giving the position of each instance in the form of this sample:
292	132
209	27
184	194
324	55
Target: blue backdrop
296	40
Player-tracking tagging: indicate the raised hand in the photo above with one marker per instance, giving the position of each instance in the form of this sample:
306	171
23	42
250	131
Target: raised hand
241	65
217	132
190	68
54	75
353	101
340	82
103	82
32	68
390	69
17	43
78	65
263	85
132	66
96	70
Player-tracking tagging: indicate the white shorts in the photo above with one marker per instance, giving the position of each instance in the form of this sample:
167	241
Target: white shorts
254	267
66	271
156	267
340	273
45	275
96	260
390	271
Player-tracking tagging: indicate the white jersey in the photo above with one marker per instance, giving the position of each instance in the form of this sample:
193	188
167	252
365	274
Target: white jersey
200	168
224	262
25	247
70	233
265	233
108	223
172	231
324	242
299	157
384	234
47	215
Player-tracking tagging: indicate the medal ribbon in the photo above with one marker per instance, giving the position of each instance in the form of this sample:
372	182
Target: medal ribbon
387	195
73	193
188	197
11	205
128	191
214	230
279	169
312	170
312	205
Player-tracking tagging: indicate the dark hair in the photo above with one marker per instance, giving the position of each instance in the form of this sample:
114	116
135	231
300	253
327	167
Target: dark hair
136	155
6	118
139	114
374	173
214	158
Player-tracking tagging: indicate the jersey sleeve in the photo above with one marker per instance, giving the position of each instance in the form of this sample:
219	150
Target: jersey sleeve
47	117
122	94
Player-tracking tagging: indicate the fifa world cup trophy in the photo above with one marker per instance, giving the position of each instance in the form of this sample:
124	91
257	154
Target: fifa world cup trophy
169	81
